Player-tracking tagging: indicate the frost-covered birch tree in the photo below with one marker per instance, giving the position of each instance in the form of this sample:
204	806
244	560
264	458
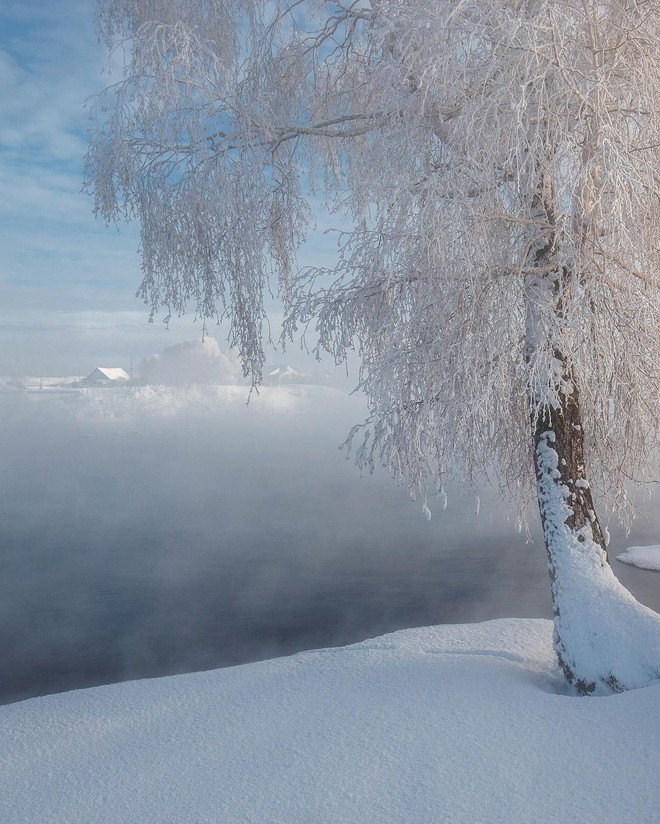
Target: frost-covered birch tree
497	161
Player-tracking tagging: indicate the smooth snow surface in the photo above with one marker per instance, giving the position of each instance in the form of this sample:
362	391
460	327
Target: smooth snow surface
446	724
644	557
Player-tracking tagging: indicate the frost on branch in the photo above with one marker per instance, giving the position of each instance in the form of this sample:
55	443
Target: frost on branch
437	129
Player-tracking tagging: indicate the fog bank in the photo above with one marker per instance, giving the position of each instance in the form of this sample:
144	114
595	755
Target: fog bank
161	529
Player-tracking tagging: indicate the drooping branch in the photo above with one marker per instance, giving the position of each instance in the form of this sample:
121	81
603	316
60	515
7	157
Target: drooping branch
422	126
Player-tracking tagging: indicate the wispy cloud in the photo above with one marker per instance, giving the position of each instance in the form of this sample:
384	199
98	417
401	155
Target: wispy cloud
49	64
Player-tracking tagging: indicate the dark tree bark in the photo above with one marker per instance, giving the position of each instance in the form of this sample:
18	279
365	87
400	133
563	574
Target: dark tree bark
560	429
568	515
595	617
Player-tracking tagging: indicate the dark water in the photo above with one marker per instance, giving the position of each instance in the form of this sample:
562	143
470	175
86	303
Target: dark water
142	544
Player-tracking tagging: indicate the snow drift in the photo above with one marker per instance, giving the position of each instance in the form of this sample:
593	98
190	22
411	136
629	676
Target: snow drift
644	557
455	724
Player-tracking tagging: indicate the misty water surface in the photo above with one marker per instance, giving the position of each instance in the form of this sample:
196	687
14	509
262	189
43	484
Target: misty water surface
183	531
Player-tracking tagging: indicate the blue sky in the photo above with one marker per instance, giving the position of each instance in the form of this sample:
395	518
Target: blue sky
67	283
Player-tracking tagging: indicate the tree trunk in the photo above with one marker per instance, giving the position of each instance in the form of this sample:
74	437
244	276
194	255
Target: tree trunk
605	640
567	511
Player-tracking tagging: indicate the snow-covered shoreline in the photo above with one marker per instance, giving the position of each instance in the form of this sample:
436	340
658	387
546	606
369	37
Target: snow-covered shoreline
644	557
464	723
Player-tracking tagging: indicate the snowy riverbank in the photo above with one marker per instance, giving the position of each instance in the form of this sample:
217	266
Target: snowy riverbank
465	723
644	557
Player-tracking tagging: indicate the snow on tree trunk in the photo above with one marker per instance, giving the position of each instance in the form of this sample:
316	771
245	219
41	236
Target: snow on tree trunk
598	624
605	640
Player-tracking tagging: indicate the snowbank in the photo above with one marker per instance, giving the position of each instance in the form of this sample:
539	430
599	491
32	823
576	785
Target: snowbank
644	557
170	401
445	724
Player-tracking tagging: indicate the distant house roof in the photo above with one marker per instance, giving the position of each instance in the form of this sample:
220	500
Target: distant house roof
108	373
283	373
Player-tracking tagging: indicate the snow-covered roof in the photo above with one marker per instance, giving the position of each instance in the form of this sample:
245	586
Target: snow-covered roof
112	373
284	372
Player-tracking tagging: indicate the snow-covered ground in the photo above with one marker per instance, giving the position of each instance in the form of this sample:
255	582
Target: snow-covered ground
168	401
465	723
644	557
